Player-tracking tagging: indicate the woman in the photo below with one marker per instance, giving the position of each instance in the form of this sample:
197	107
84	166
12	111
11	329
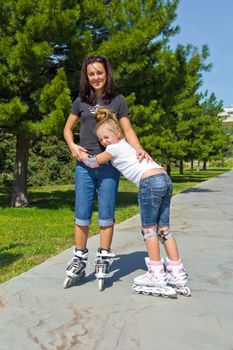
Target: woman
96	90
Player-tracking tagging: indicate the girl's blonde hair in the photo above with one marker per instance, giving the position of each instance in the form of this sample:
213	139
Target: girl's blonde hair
106	117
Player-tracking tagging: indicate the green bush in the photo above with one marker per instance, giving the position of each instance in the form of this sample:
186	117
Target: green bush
50	162
229	162
7	158
221	163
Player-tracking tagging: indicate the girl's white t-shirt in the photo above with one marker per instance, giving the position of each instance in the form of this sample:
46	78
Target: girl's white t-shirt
125	160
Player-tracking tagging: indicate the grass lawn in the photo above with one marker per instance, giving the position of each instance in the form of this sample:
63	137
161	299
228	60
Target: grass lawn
31	235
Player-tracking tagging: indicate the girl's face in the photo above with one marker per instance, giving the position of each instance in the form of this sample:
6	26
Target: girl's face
107	136
97	77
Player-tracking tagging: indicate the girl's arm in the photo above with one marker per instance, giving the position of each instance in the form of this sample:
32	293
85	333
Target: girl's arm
103	157
95	161
132	138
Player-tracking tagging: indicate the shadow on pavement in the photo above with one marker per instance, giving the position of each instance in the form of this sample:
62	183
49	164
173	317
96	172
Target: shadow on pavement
124	265
197	190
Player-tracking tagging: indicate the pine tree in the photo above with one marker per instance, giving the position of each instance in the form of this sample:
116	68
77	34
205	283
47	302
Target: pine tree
215	140
181	139
34	93
42	46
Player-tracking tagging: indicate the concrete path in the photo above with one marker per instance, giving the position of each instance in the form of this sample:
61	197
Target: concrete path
37	313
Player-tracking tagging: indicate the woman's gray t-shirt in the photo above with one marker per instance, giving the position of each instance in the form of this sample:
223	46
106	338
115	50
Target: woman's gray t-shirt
86	113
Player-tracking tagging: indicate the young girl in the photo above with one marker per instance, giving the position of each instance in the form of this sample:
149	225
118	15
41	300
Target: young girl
154	197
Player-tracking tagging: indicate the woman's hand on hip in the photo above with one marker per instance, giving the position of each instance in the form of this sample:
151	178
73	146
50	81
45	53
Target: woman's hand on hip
141	154
77	151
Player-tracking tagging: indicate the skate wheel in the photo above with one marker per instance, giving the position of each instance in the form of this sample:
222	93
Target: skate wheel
67	282
135	290
166	295
100	284
70	281
146	293
187	292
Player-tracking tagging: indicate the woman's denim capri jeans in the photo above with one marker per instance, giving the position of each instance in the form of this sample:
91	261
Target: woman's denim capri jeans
104	180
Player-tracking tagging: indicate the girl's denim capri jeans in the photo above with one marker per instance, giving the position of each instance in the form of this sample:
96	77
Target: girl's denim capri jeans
154	200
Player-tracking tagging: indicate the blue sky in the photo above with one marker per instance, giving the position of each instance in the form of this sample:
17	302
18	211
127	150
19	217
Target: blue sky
210	22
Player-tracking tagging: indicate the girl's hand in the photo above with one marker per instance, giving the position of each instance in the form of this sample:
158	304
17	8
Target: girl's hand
141	154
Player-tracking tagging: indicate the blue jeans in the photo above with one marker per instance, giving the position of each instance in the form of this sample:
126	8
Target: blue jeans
104	180
154	200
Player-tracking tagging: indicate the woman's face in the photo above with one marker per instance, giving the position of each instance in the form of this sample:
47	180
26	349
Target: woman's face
97	77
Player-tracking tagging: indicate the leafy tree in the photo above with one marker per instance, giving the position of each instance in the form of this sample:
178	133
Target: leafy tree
168	124
44	42
180	138
215	140
7	156
34	94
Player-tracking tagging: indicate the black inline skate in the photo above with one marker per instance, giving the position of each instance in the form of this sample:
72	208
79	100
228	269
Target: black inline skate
75	270
103	261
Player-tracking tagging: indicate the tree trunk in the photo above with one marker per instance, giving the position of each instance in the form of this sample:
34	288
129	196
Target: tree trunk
181	167
191	169
204	164
169	167
19	187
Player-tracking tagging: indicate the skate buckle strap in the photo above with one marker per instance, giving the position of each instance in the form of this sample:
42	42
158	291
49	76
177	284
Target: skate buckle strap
164	235
149	232
104	253
81	254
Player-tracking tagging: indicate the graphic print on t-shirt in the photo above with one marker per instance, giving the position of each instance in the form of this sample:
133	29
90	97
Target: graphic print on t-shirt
93	109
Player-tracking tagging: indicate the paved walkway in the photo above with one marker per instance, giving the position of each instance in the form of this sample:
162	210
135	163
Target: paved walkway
37	313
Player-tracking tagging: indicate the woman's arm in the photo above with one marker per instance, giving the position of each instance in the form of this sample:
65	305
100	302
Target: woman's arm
132	138
68	135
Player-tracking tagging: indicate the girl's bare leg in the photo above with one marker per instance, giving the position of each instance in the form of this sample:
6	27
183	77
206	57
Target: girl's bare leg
170	246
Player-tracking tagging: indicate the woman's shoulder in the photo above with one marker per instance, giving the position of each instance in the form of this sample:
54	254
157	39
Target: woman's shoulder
118	98
76	100
79	99
119	106
80	103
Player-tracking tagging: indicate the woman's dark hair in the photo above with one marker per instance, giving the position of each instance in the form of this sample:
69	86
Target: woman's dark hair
87	93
